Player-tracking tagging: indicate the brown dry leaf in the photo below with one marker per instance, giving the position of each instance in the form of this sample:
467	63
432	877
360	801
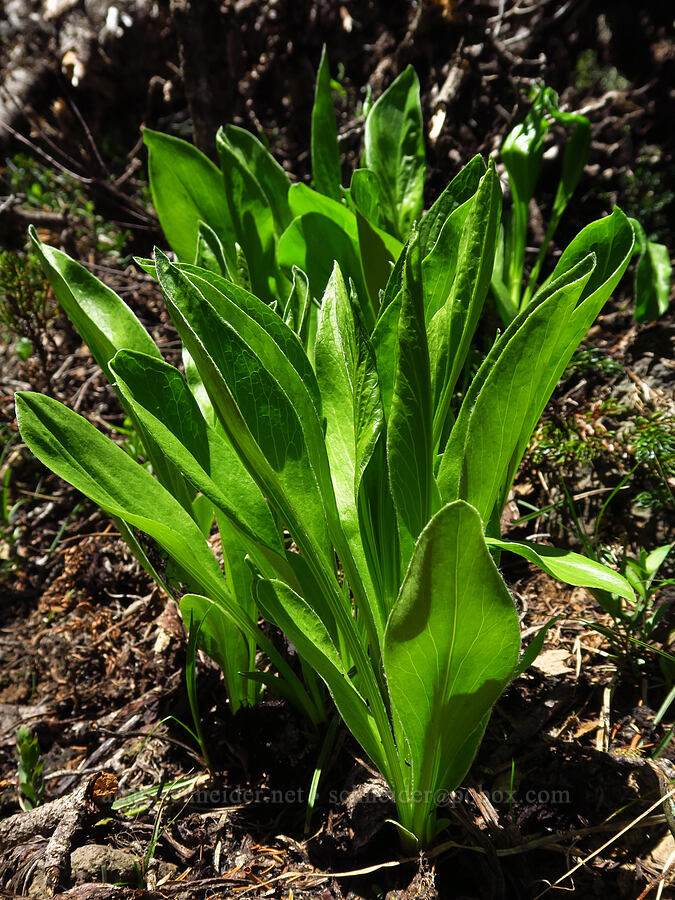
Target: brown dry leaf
553	662
105	788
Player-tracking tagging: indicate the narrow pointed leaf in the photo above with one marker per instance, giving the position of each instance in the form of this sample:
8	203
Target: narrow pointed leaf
479	456
439	268
385	344
242	309
210	251
252	218
409	435
345	369
568	567
297	306
256	414
101	470
462	187
326	173
103	320
453	328
164	404
106	324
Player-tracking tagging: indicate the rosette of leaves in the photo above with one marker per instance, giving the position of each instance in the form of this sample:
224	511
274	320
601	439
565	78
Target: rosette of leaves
357	497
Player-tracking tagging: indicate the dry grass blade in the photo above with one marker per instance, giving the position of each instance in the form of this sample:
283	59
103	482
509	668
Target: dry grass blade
608	843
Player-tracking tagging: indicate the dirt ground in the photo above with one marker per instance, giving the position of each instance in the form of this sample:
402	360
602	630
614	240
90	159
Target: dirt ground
92	655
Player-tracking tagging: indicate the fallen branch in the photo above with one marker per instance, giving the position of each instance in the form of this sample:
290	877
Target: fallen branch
60	820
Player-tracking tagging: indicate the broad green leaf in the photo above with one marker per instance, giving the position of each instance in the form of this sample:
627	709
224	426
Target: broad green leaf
196	385
655	559
379	533
479	457
258	416
378	250
187	188
345	370
92	463
230	301
78	453
202	513
450	648
302	200
105	323
652	283
103	320
439	267
409	434
394	150
326	173
222	294
365	192
314	242
377	261
270	176
612	240
452	329
164	404
252	218
385	345
568	567
462	187
307	632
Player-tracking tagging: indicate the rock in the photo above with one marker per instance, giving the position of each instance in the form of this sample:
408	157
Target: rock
369	805
97	862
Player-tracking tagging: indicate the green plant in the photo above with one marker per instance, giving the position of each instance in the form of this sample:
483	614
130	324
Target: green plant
247	222
8	530
391	494
652	442
634	622
318	427
61	192
522	154
26	307
31	785
590	72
